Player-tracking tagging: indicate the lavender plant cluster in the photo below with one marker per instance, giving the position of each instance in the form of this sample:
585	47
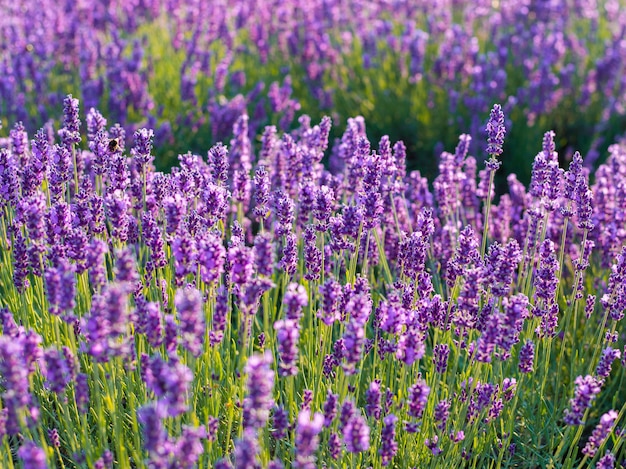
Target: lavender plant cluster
254	309
164	64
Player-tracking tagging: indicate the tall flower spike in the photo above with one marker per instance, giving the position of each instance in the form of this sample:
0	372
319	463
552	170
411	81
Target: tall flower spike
495	132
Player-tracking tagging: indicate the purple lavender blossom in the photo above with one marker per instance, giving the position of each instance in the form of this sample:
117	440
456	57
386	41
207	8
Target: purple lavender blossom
440	357
418	398
294	300
241	261
70	132
287	335
330	408
169	380
211	257
61	288
527	357
153	239
188	447
220	315
156	441
57	370
442	413
331	292
218	159
606	462
388	445
32	456
261	193
604	365
189	305
373	396
107	322
334	445
600	433
15	358
356	434
264	254
432	444
307	439
496	131
258	401
587	388
280	422
312	255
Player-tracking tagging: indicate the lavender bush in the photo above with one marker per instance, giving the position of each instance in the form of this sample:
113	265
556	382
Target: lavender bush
254	309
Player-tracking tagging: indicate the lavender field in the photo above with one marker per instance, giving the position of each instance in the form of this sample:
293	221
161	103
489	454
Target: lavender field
343	234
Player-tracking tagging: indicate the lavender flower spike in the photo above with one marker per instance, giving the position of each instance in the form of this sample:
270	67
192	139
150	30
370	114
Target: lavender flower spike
495	132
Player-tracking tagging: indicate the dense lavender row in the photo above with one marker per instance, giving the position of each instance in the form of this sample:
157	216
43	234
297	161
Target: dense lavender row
254	309
558	62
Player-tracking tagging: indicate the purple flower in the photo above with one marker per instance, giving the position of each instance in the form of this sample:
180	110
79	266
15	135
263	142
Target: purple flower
527	357
433	445
373	397
189	305
334	445
188	447
153	239
261	193
218	160
324	205
606	462
600	433
496	131
55	439
587	388
354	342
330	408
141	152
220	314
81	393
388	444
287	335
280	423
95	263
604	365
169	380
258	401
307	439
211	257
410	345
294	300
70	132
440	357
418	398
442	413
615	298
126	266
32	456
156	441
312	255
264	254
241	261
174	207
61	287
356	434
57	369
247	450
107	321
16	356
284	211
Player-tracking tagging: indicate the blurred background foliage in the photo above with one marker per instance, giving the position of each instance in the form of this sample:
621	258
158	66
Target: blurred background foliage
422	72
